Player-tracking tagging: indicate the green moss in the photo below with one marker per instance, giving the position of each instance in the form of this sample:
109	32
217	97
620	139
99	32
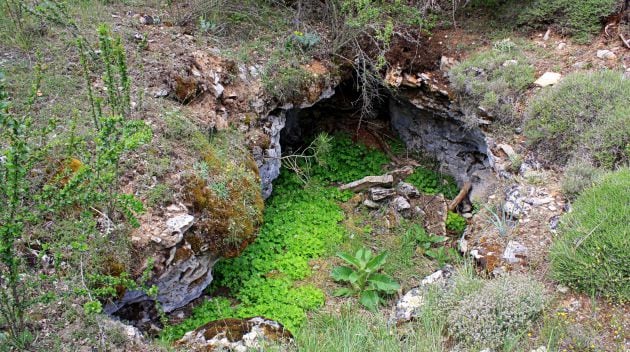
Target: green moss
224	189
586	115
591	253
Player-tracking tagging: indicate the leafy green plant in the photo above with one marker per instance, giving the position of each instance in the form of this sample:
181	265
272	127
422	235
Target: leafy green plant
304	41
455	222
431	182
348	161
585	116
590	254
443	255
364	278
424	239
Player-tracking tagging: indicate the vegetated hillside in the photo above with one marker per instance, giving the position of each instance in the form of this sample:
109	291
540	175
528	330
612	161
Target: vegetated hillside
135	137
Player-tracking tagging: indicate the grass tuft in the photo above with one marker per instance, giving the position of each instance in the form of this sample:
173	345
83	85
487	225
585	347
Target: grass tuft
591	254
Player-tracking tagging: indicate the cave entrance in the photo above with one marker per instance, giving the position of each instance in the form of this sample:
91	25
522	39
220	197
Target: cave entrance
341	113
428	123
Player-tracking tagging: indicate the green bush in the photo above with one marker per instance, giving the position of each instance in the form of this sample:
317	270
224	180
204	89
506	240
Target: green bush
582	18
591	253
586	115
497	313
493	80
578	176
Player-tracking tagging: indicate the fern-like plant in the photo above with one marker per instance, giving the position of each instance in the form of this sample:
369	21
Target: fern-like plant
363	277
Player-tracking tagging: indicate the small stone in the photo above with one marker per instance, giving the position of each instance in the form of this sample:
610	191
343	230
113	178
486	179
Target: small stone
367	182
371	204
446	63
518	130
606	55
510	63
513	251
407	190
540	349
548	79
146	20
410	305
508	150
467	215
552	208
401	204
562	289
161	93
540	201
380	193
562	45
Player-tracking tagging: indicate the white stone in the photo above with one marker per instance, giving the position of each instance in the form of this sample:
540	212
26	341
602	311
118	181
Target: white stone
562	45
508	150
512	250
548	79
401	204
606	54
510	63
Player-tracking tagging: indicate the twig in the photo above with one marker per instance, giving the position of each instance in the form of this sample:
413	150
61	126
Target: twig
460	196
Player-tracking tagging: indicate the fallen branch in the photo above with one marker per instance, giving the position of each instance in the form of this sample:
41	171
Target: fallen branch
460	196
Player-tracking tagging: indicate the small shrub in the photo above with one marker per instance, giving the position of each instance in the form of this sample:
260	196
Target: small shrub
364	278
582	19
497	313
493	80
591	253
585	115
578	176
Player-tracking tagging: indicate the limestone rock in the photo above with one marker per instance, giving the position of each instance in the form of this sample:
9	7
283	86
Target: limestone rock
548	79
606	55
400	204
514	251
371	204
380	193
367	182
431	123
238	335
446	63
410	305
407	190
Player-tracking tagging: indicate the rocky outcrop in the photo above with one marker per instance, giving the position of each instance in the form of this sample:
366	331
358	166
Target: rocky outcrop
462	152
179	272
237	335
